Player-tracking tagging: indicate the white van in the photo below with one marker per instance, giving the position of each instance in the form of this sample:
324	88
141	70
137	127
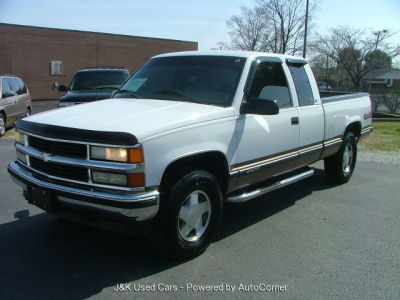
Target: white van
15	101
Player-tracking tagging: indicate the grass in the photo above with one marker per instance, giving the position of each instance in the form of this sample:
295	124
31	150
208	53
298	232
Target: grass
385	137
9	134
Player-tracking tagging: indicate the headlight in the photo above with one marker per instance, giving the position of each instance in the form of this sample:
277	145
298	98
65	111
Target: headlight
20	137
132	155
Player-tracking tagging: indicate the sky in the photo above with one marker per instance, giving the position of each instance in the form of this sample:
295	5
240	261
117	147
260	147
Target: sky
200	21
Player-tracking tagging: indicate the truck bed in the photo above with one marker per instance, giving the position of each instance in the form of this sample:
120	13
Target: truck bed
342	109
333	96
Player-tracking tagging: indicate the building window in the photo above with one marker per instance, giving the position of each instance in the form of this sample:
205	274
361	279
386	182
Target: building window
56	68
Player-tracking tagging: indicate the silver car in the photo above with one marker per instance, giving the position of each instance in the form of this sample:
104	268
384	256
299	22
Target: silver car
15	101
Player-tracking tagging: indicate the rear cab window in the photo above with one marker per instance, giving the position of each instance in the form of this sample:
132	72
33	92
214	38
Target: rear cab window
302	84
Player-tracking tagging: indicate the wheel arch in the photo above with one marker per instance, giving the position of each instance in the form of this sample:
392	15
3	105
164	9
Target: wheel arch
354	127
213	161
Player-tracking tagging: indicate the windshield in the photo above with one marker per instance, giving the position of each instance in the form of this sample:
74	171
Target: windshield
201	79
98	80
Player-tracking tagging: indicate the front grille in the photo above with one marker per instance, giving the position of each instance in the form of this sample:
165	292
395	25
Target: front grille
63	171
58	148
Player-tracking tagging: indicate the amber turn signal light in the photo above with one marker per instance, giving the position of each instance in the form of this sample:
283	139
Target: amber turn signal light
136	180
135	155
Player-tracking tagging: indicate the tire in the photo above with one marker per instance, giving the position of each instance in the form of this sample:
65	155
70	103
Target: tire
189	216
28	112
340	167
2	125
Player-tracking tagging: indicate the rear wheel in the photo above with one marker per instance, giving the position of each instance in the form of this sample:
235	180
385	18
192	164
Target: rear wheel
2	125
189	215
28	112
340	167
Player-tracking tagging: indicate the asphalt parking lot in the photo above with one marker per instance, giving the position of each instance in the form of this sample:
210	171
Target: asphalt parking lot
317	240
43	105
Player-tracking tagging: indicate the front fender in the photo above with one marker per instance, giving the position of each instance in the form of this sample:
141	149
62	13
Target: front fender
163	150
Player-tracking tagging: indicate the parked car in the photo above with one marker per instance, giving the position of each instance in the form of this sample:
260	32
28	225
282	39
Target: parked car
324	87
185	133
91	84
15	101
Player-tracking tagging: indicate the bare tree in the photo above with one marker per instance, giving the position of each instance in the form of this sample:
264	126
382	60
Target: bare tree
323	68
271	26
350	48
286	25
247	30
392	100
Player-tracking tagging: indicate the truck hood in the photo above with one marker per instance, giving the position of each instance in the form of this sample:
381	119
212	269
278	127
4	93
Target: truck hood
140	117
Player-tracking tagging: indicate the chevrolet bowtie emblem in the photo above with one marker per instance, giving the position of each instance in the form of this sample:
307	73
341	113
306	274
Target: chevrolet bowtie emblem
46	157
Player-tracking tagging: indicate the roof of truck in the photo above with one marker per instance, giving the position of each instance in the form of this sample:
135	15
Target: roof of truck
245	54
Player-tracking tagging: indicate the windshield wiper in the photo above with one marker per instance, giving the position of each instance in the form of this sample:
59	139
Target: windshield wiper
128	92
175	93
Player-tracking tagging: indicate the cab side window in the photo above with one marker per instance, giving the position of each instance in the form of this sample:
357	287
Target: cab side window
302	84
270	83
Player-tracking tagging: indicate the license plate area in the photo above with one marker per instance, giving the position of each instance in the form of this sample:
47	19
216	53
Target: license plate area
41	198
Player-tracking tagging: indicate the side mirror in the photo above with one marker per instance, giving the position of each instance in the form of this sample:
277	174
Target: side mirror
62	88
259	106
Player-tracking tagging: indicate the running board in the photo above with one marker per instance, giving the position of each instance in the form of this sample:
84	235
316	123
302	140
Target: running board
261	191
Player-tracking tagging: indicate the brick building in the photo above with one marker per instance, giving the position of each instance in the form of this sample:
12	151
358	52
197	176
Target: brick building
42	56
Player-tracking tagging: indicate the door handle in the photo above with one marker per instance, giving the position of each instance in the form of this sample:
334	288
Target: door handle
295	120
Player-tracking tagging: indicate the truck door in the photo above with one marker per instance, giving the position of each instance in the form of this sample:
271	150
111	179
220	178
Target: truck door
267	144
311	114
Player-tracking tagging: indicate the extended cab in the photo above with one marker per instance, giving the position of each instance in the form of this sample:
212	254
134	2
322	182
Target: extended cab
185	133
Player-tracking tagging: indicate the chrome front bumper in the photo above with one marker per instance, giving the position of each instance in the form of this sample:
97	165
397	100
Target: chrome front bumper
129	206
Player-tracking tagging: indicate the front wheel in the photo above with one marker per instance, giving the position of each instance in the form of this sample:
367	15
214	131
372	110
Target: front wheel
340	167
189	215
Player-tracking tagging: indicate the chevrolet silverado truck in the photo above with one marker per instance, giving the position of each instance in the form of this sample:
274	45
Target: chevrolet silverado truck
186	133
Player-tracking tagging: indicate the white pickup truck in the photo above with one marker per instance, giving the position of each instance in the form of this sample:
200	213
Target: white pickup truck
185	133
